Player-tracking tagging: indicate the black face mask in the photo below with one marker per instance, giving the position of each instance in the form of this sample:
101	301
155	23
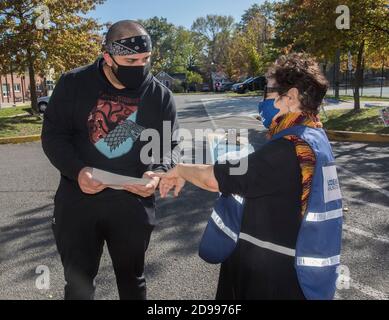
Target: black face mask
132	77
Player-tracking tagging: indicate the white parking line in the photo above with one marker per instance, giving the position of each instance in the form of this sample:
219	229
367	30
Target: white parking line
364	182
247	116
366	290
364	233
205	102
377	295
370	204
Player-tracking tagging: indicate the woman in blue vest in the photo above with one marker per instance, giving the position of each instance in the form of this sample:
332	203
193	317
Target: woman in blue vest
288	243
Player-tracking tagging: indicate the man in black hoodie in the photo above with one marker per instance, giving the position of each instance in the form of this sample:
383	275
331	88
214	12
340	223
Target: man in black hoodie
95	118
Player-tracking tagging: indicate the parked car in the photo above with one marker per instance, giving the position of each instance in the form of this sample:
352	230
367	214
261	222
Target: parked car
43	102
257	83
235	86
251	84
226	86
239	85
376	81
192	88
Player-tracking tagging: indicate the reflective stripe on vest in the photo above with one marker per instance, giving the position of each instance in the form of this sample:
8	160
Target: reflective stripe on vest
268	245
238	198
301	261
324	216
219	222
318	263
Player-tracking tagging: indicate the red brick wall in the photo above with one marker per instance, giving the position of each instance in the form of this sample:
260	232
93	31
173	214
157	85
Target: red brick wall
21	84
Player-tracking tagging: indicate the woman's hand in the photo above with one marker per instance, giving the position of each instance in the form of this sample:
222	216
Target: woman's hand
170	180
149	189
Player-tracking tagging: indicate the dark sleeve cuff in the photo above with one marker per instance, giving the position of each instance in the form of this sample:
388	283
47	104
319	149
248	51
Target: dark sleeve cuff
75	170
221	172
159	168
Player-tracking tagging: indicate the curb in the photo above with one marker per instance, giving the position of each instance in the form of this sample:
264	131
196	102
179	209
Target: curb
349	136
16	140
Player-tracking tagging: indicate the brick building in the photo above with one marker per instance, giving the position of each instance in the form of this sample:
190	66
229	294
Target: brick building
15	88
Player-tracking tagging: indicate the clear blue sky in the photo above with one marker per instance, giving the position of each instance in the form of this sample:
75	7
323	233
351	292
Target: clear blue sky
178	12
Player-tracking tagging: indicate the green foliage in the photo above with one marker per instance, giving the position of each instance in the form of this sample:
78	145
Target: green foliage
194	78
215	34
14	111
176	49
252	49
70	40
306	25
177	87
67	39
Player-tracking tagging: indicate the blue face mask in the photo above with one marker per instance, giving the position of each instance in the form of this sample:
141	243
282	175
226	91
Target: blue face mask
267	111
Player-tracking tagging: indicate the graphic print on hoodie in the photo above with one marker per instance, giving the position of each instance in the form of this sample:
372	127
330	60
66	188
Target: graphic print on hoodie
112	125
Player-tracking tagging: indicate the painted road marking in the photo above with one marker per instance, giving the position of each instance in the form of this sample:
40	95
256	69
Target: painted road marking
369	291
364	233
371	204
364	182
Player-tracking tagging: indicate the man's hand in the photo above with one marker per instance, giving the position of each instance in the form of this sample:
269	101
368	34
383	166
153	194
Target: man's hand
170	180
149	189
87	184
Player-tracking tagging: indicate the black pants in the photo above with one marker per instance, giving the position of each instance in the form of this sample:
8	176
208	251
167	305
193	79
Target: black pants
249	274
82	226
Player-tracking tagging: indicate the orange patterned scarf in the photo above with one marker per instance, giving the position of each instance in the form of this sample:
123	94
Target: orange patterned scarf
305	154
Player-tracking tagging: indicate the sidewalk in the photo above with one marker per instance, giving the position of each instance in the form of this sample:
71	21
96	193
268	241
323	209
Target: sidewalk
331	104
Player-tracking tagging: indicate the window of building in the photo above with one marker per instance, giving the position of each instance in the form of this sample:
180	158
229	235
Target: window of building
5	90
17	87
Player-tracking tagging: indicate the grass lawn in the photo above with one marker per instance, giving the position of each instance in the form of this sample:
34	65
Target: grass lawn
367	120
351	98
13	123
247	94
14	111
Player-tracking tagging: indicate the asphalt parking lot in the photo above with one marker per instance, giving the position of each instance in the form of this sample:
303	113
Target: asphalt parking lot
174	270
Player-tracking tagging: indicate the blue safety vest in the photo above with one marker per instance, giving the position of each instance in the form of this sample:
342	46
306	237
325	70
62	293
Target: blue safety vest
318	247
221	235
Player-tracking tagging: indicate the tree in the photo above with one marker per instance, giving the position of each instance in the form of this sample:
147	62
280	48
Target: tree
215	32
160	31
252	48
194	78
311	26
264	12
186	51
245	51
175	49
40	35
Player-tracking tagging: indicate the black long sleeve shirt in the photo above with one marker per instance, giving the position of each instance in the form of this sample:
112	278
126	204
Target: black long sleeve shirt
90	123
272	213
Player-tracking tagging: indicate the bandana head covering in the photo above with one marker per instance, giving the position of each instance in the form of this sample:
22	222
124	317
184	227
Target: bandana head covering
129	46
